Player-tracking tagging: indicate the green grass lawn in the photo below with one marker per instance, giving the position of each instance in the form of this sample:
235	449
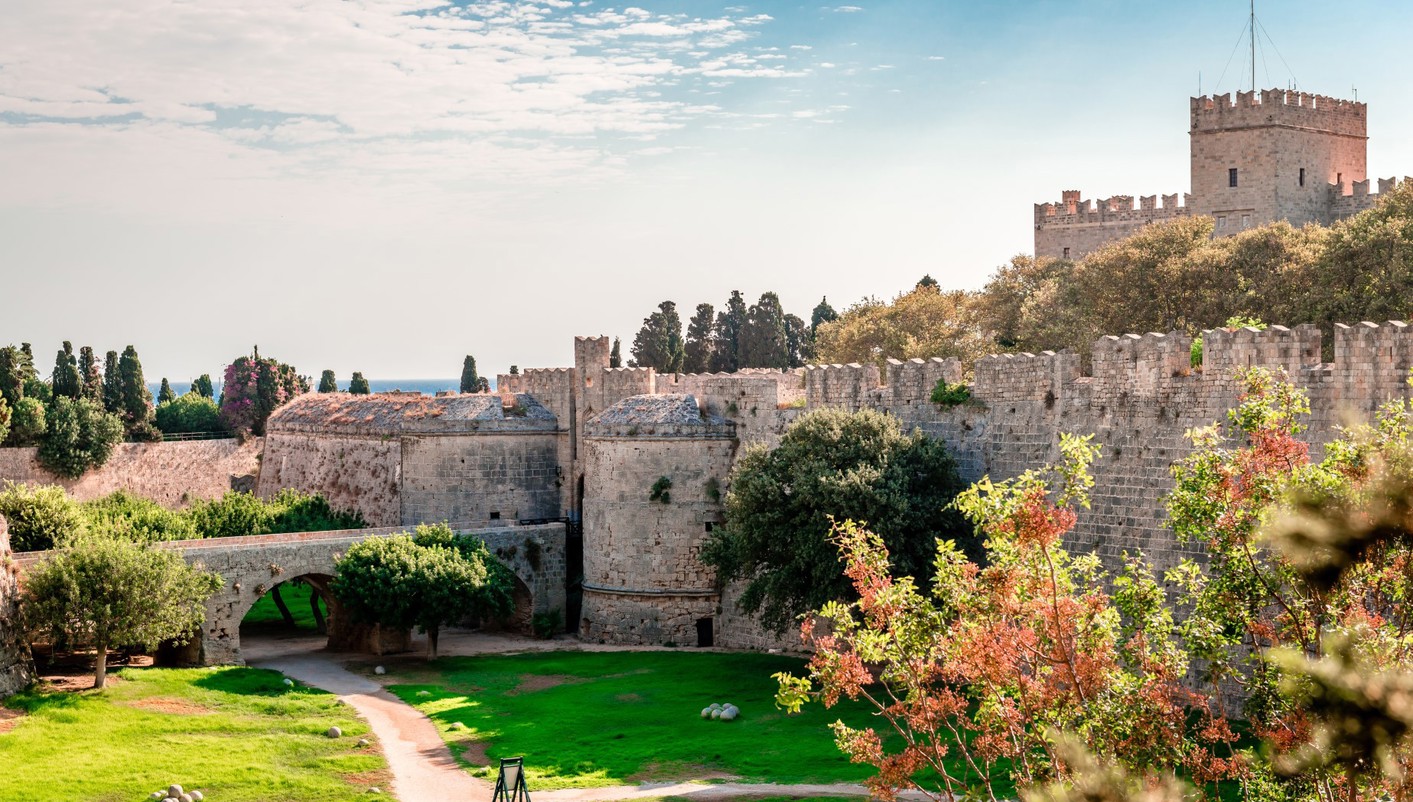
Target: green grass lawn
296	598
585	719
238	734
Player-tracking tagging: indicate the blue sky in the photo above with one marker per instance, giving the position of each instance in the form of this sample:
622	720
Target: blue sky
386	185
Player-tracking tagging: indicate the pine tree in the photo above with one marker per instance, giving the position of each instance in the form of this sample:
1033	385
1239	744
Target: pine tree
659	342
112	384
358	385
470	382
824	313
165	393
65	381
763	340
927	282
28	372
615	356
729	323
203	386
12	381
135	400
698	352
327	382
89	375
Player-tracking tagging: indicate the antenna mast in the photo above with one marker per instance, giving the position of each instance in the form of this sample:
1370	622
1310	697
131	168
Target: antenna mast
1253	47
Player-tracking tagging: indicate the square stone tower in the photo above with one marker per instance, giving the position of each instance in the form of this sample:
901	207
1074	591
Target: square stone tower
1274	156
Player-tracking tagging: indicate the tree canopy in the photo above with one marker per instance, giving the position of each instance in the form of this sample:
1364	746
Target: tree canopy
254	387
658	343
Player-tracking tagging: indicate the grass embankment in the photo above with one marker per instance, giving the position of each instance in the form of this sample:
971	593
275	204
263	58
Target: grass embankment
238	734
265	615
586	719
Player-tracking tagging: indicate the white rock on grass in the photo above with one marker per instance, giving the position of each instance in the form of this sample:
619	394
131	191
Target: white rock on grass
157	795
334	732
184	798
174	791
716	714
728	714
706	712
379	670
197	796
424	693
362	741
457	725
289	683
375	790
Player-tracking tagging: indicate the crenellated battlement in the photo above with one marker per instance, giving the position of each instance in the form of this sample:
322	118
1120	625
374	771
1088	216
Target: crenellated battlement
1347	200
1072	210
851	385
1005	378
1279	107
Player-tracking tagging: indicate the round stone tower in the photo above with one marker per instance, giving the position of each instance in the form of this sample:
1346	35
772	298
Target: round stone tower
655	468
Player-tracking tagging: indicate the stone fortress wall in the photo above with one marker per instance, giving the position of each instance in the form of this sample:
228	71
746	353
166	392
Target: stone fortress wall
16	667
1299	157
168	473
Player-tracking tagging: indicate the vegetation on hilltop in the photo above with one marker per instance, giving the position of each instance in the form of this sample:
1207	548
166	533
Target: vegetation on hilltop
761	335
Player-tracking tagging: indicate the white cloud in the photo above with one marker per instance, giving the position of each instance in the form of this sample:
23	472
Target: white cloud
846	9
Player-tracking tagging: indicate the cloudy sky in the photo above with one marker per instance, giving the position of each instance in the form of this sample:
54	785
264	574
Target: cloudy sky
387	185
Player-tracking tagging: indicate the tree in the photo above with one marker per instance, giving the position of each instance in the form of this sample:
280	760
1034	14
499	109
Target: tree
831	465
615	356
1366	270
823	313
483	384
40	516
658	344
763	341
192	413
4	419
135	400
920	324
327	382
515	370
799	348
29	371
979	675
12	379
165	393
699	349
201	385
89	375
28	422
112	384
729	324
66	381
425	581
928	282
254	387
106	592
79	435
359	385
236	514
470	382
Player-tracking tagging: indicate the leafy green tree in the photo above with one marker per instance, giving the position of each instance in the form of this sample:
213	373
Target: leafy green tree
121	514
66	381
697	353
921	324
165	393
89	375
254	387
79	435
327	382
359	385
729	324
29	369
658	344
112	384
107	592
40	516
832	465
399	582
135	408
202	386
763	339
799	346
823	313
1366	271
928	282
191	413
615	355
470	379
4	419
12	379
28	422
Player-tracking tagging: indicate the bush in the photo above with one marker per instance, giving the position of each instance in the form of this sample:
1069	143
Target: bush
4	419
128	517
236	514
80	435
27	422
40	516
950	395
547	625
190	413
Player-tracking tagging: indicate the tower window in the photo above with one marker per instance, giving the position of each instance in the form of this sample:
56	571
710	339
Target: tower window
1246	221
1231	177
1302	176
1221	222
1067	253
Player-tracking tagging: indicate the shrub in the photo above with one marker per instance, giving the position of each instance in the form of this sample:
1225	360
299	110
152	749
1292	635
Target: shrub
661	490
190	413
40	516
27	422
547	625
79	435
236	514
122	515
950	395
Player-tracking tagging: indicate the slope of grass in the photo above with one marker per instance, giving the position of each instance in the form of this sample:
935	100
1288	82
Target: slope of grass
238	734
585	719
265	614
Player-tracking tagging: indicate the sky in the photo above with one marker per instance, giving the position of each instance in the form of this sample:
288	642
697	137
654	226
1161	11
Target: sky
388	185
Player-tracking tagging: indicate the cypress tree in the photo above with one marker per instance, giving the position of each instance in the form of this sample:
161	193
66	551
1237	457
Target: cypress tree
470	382
615	356
135	400
824	313
659	342
164	393
12	380
729	324
112	384
90	375
927	282
202	385
327	382
28	372
799	346
358	385
66	382
763	341
698	351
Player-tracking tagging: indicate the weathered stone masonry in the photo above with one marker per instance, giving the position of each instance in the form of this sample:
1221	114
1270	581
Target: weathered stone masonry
16	668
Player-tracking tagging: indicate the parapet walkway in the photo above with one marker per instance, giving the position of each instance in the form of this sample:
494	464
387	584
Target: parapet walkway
422	765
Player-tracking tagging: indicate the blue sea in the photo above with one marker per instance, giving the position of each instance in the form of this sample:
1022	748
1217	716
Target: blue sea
424	386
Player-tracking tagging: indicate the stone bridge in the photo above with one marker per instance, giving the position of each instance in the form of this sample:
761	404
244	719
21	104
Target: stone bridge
250	566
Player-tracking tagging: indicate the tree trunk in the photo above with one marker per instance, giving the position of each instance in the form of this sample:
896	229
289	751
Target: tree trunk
100	664
280	604
432	633
319	625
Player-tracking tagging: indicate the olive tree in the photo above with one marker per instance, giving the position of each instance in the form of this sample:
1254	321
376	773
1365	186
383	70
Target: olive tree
104	592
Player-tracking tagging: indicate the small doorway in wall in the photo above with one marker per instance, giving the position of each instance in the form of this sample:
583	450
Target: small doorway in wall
706	632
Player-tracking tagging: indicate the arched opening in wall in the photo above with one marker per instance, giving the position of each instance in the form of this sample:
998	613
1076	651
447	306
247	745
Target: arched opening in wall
521	620
299	608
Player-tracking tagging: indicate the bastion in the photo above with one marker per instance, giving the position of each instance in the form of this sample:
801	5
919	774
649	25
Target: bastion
655	468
